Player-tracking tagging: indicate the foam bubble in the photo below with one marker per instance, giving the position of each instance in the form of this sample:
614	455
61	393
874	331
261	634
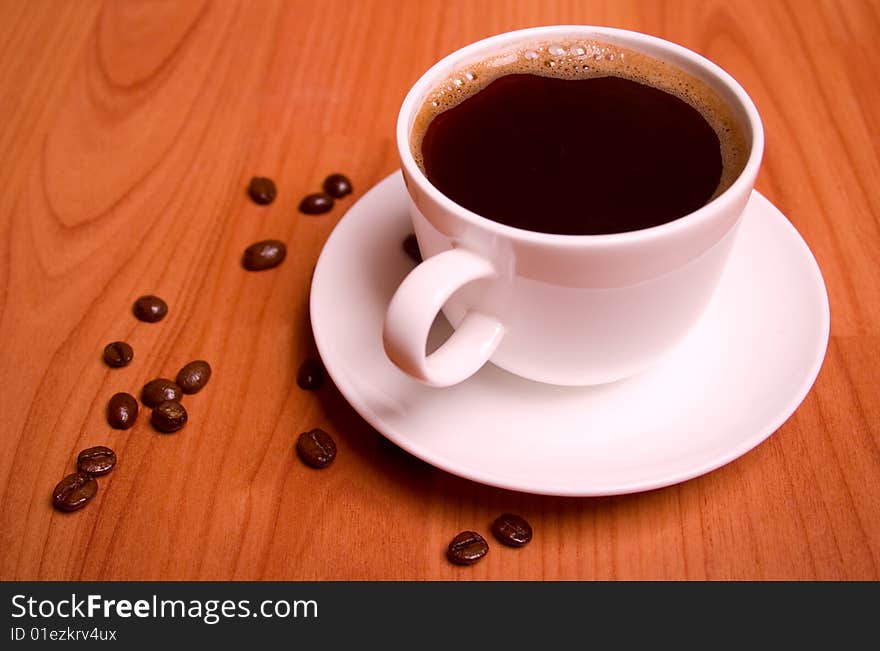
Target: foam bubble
584	59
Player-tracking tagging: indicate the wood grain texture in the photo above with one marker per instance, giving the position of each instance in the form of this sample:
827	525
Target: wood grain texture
129	131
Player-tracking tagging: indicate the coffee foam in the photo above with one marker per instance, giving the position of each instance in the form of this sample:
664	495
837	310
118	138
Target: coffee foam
584	59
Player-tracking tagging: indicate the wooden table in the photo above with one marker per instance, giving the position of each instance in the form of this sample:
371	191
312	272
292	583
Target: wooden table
129	131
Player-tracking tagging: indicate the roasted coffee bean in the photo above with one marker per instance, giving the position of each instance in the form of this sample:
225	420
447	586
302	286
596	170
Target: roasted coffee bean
467	548
150	308
118	354
122	410
337	185
262	190
316	448
264	255
316	204
159	390
310	375
512	530
193	377
411	247
98	460
169	416
74	491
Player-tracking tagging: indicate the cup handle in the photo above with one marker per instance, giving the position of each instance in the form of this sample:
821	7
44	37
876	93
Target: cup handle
413	308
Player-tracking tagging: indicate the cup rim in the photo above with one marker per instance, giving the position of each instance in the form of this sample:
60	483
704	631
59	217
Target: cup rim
628	38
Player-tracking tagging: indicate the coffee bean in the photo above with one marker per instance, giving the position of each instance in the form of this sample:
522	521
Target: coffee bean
74	491
310	375
169	416
467	548
512	530
122	411
337	185
262	190
316	448
193	377
264	255
159	390
150	308
316	204
411	247
118	354
98	460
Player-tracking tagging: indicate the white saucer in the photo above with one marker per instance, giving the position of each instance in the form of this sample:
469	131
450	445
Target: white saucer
737	377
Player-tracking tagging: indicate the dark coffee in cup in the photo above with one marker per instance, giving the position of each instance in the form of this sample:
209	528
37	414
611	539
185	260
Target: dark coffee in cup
578	138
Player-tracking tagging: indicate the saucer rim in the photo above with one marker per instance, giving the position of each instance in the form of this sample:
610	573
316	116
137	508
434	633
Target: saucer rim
566	490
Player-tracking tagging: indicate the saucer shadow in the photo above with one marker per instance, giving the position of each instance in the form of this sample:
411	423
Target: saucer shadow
400	472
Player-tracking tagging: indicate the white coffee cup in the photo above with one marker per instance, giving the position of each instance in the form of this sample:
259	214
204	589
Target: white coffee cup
561	309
